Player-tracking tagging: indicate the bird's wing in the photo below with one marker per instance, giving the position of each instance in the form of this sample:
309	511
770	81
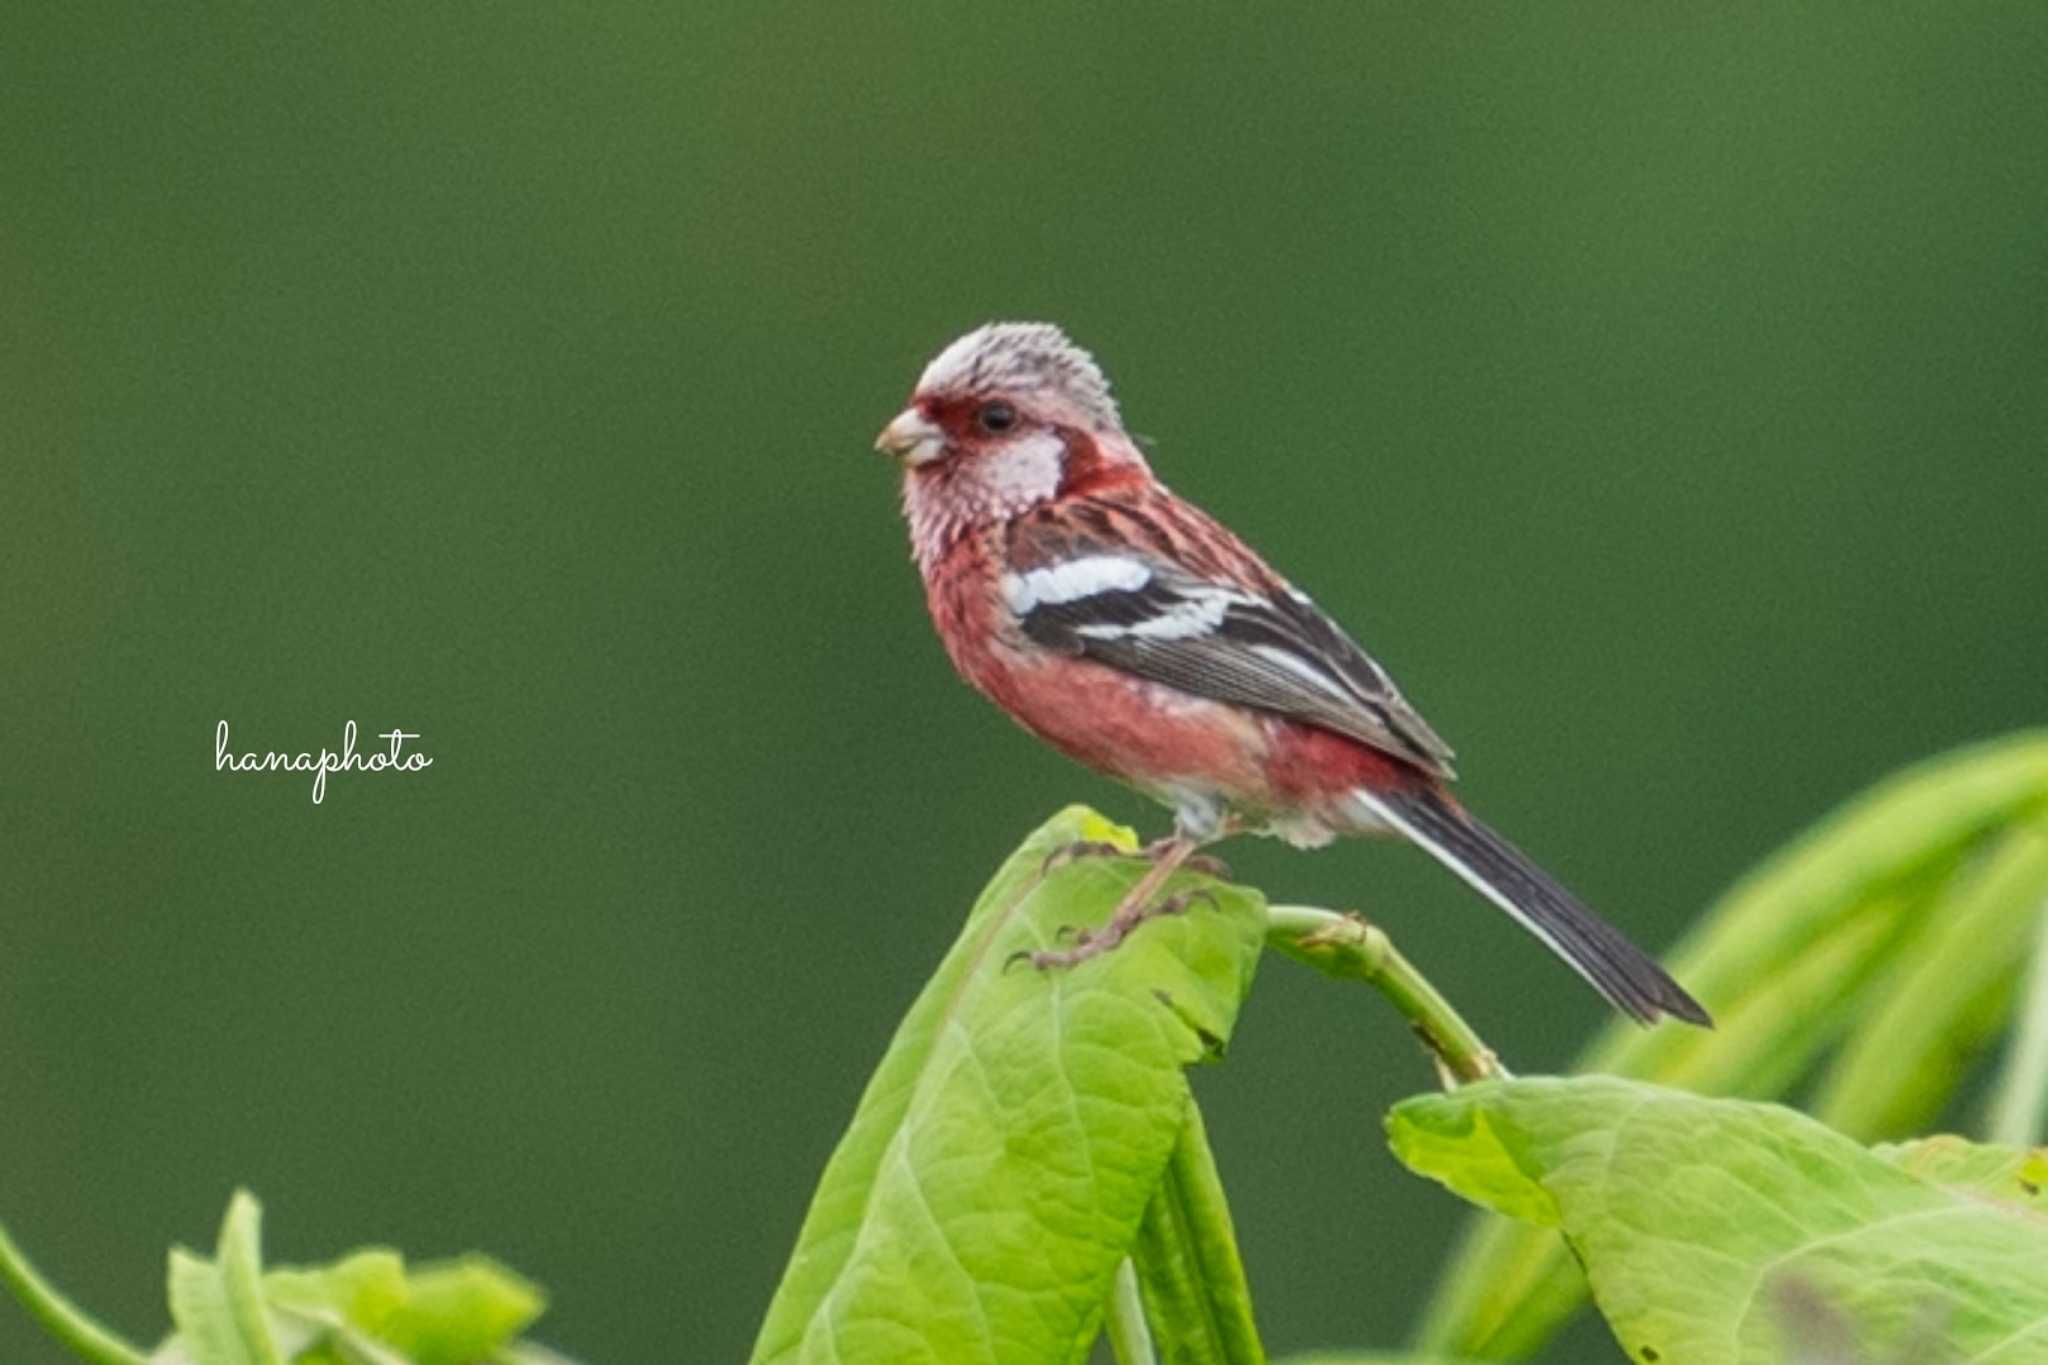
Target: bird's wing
1213	634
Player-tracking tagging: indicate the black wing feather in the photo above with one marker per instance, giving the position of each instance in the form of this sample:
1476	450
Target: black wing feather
1275	652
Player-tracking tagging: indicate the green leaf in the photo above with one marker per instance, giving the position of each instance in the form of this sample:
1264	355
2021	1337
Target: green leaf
1944	998
1788	960
1008	1145
362	1310
1882	858
362	1289
460	1311
2013	1176
528	1353
1714	1231
322	1338
1197	1300
218	1304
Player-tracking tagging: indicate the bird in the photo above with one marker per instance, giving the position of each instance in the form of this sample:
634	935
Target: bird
1132	631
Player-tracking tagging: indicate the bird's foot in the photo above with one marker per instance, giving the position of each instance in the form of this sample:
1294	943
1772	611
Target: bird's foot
1205	863
1094	943
1075	852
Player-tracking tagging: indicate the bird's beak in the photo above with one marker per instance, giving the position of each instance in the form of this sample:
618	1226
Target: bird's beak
912	438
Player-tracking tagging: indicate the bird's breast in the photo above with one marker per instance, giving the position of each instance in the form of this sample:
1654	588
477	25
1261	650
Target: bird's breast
1270	773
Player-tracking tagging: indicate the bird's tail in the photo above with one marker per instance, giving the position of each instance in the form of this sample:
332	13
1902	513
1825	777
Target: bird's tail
1502	873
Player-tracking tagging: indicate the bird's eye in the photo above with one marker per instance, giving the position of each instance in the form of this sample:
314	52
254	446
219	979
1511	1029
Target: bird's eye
996	418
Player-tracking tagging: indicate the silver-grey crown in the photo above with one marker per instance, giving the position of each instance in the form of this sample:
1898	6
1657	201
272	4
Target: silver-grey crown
1021	357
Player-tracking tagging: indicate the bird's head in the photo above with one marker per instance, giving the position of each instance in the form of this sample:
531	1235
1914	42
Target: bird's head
1009	416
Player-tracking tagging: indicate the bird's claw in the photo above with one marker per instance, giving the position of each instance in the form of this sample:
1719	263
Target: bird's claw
1089	943
1075	852
1084	948
1174	905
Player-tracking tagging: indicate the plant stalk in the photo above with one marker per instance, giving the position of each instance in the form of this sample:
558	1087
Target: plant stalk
60	1317
1129	1337
1189	1273
1347	946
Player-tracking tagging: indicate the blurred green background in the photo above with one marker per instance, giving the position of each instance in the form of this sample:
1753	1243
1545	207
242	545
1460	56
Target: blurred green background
1662	394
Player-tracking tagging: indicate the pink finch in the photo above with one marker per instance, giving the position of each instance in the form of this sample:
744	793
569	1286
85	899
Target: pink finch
1128	629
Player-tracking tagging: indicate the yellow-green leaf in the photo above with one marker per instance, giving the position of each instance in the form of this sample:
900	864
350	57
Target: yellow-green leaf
1009	1143
1791	960
1714	1231
218	1304
460	1311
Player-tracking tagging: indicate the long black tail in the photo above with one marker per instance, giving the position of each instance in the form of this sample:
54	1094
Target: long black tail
1630	980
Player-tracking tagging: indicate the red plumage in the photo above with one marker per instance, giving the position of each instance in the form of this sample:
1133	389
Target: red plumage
1133	632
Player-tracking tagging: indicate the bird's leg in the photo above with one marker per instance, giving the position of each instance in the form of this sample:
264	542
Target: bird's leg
1206	863
1133	910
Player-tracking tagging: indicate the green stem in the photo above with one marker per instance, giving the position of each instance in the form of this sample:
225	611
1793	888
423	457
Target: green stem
1348	946
2019	1102
1188	1267
59	1316
1129	1337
